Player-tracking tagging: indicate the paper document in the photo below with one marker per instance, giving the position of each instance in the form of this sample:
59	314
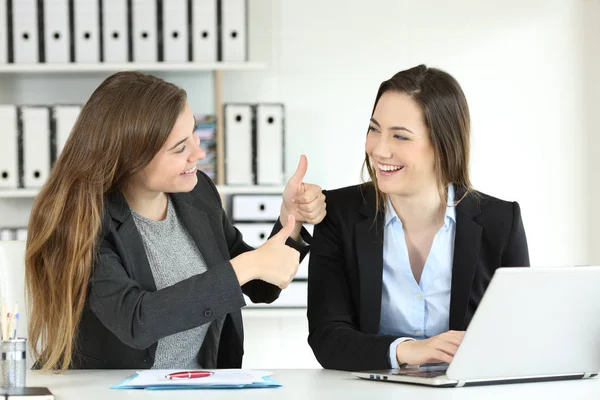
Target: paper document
221	379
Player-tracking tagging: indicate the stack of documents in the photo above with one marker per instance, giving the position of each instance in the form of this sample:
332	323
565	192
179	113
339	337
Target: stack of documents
221	379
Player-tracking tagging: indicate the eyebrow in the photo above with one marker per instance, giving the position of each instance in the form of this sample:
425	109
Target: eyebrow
393	128
184	139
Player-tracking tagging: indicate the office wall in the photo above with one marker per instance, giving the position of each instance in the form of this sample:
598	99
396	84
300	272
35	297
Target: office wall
522	65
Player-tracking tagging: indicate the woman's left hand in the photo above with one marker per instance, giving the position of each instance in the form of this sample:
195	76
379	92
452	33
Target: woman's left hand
305	201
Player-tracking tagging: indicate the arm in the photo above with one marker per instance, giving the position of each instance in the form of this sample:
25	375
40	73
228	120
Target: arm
139	318
516	253
334	334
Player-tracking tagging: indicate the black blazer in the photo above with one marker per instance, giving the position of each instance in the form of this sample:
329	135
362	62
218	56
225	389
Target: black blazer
125	316
346	267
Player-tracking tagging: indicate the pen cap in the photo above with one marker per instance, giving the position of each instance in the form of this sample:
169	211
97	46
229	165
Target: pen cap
13	362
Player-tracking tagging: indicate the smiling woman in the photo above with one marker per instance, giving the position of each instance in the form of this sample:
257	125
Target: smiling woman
399	264
131	262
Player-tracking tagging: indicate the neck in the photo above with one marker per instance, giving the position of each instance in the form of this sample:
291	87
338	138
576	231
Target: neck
419	211
150	204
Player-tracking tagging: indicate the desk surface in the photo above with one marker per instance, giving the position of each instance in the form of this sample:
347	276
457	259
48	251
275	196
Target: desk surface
307	384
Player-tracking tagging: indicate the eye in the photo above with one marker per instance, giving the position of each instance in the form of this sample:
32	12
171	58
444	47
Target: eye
182	149
372	129
400	137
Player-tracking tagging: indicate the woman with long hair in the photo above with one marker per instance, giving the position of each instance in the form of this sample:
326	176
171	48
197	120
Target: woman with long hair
131	262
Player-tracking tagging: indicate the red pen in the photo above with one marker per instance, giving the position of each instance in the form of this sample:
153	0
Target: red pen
189	374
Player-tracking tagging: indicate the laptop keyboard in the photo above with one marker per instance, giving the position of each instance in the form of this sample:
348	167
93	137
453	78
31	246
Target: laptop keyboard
419	373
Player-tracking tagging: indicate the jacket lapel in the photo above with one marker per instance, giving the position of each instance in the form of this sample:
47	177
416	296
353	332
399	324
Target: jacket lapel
369	250
198	223
132	241
467	243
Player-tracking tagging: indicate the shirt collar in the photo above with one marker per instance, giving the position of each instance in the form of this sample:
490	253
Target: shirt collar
390	214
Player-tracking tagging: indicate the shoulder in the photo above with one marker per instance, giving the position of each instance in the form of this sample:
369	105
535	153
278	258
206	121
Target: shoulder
497	216
491	205
350	197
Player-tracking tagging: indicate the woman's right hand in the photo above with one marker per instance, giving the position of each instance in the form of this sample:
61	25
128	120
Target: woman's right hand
273	262
440	348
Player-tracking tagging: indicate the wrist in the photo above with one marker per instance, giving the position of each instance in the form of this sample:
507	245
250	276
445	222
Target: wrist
244	267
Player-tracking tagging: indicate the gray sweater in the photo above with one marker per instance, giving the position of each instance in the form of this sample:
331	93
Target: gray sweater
173	257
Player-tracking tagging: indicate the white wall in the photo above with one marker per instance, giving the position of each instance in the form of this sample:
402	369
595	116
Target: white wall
522	65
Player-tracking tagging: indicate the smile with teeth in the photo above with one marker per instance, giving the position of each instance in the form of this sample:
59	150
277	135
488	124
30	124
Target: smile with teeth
389	168
189	171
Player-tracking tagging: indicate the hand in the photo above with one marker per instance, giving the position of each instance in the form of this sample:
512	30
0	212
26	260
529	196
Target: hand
277	262
440	348
304	201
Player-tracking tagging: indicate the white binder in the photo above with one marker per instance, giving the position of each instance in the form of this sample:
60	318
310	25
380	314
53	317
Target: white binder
144	30
3	33
57	32
86	18
9	150
269	144
115	31
238	144
64	118
175	31
204	30
255	207
25	32
255	235
21	234
35	123
233	30
7	234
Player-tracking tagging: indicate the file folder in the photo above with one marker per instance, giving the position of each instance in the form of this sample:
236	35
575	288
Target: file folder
35	131
3	32
204	30
86	31
7	234
25	32
238	144
144	30
21	234
9	150
233	30
175	31
63	120
115	31
269	144
57	31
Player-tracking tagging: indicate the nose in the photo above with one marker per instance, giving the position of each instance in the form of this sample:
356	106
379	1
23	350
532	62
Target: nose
381	149
198	153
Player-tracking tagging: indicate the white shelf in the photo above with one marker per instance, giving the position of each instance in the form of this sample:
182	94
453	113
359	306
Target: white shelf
43	68
27	193
271	312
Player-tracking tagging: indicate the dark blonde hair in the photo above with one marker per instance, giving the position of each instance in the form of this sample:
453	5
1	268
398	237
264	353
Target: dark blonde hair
120	129
446	115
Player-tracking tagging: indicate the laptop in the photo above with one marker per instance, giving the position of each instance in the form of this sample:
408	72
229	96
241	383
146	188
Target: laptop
533	324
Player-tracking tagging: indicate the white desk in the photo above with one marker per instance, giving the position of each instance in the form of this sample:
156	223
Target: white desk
308	384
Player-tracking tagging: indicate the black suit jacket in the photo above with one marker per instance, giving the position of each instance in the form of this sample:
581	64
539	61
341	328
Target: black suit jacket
346	267
125	316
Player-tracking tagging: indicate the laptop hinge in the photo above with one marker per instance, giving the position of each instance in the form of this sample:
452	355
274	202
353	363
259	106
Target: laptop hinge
460	383
587	375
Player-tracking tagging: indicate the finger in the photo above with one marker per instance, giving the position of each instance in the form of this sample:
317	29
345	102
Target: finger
308	216
311	194
440	356
301	170
285	232
310	207
319	218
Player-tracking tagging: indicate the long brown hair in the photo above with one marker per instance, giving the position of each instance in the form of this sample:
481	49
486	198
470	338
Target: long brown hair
446	115
120	129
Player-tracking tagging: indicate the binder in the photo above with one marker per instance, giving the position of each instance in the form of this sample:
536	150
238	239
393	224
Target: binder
21	234
175	30
115	31
57	32
234	30
9	150
255	207
86	31
35	131
7	234
269	144
144	30
25	33
238	144
63	120
204	30
3	32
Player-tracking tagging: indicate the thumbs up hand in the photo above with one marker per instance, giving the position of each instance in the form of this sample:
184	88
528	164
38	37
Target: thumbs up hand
278	263
304	201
